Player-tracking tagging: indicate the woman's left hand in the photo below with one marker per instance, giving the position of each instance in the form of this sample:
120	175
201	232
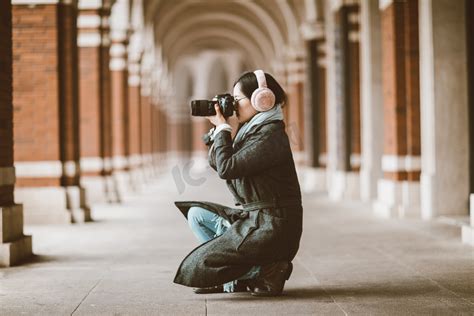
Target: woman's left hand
218	118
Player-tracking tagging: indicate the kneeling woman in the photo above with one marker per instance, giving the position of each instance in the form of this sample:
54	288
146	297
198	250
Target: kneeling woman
248	248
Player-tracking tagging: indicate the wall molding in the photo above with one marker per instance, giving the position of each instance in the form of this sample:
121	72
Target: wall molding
393	163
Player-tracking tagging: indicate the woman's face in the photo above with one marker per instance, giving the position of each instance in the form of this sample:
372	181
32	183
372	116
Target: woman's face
245	110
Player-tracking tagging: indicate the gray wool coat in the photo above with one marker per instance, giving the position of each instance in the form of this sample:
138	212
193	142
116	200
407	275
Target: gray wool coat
260	173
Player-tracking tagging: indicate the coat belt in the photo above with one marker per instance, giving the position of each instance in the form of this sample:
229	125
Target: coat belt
276	203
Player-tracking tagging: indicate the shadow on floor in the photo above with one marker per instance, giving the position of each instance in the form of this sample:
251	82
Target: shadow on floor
326	294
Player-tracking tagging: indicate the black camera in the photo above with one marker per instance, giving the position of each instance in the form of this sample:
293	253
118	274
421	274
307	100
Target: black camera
206	107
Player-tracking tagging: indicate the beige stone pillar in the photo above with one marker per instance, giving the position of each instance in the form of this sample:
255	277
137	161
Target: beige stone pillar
119	98
444	109
314	175
371	100
399	190
344	99
134	117
146	129
14	245
46	103
468	229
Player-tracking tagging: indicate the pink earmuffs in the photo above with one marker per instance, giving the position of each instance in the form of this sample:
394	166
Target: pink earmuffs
263	99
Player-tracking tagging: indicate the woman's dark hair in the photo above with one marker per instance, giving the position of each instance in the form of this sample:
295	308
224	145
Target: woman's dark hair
248	84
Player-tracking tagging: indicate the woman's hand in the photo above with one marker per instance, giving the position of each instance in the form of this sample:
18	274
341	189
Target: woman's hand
218	118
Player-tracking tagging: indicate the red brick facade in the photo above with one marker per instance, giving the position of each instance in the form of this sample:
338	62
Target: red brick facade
134	120
400	59
145	125
36	83
40	73
347	76
353	68
296	114
89	87
119	79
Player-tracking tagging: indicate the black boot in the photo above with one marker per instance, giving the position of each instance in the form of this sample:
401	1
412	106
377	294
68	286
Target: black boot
209	290
272	279
241	286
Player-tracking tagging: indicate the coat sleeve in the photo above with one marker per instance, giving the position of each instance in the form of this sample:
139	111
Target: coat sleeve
259	152
212	157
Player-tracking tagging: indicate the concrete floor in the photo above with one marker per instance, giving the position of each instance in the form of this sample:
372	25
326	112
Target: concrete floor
349	263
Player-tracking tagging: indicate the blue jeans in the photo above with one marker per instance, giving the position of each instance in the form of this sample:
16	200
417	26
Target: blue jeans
206	226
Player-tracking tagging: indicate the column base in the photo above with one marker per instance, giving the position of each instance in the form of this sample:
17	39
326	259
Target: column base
397	199
344	185
122	183
312	179
468	235
14	246
96	189
77	204
111	189
468	230
137	179
53	205
15	252
368	184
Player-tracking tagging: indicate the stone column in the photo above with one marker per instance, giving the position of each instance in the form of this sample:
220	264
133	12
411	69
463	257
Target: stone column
371	100
343	94
468	230
399	190
46	103
106	116
162	136
314	176
119	82
92	89
146	127
14	245
444	109
134	100
155	134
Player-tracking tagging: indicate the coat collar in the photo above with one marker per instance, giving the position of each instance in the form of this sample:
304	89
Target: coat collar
269	127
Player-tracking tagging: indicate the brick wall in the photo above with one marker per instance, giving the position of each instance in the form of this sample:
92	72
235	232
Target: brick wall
295	123
35	83
134	119
119	111
412	71
145	125
163	131
354	82
400	60
106	103
89	101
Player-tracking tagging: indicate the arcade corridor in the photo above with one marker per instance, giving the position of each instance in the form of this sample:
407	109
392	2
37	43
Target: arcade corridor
97	140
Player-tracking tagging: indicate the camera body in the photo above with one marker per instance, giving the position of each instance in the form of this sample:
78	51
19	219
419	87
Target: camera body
226	104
